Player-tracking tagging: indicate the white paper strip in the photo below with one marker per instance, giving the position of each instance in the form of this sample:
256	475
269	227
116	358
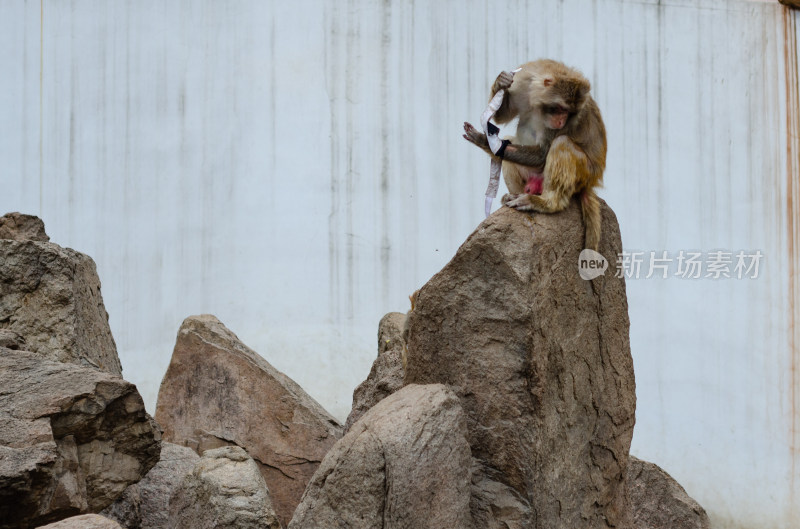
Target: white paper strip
493	136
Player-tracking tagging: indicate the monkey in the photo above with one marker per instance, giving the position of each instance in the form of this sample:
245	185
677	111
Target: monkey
559	149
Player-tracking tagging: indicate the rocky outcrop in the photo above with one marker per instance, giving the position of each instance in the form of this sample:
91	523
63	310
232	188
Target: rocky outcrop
71	439
219	392
541	362
20	227
224	491
405	463
85	521
50	297
386	375
659	502
144	505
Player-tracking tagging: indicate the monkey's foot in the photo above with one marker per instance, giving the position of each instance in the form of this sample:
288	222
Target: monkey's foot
519	202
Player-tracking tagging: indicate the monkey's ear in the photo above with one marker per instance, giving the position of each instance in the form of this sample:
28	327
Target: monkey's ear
584	91
548	81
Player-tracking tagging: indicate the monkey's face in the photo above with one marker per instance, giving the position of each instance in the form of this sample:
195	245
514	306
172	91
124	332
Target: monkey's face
555	116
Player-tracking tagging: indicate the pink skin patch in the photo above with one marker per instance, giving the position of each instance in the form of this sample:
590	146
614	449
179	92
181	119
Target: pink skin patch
535	184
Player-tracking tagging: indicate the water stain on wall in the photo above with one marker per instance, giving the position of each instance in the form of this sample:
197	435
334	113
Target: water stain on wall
793	232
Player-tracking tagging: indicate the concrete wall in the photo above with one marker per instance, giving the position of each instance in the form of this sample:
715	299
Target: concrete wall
296	168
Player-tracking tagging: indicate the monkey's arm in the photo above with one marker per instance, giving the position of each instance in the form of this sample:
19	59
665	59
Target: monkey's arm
474	136
505	113
530	155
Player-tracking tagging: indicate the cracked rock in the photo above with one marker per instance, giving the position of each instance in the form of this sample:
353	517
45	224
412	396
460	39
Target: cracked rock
219	392
659	502
405	463
386	375
85	521
541	362
225	490
20	227
51	303
71	439
144	505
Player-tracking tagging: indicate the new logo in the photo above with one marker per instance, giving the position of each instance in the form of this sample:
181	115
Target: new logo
591	264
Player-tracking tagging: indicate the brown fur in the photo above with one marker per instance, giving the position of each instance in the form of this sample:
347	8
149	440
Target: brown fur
544	95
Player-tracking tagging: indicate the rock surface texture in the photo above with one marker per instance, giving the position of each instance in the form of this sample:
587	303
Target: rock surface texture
71	439
541	362
85	521
405	463
386	375
659	502
50	296
224	491
20	227
218	392
144	505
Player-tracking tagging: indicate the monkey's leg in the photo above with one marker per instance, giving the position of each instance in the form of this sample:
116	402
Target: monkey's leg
564	173
514	177
548	202
570	171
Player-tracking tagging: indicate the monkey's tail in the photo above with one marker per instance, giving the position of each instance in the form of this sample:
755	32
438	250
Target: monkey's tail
592	219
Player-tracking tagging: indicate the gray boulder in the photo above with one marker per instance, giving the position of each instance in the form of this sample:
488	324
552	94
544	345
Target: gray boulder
71	439
541	362
659	502
85	521
219	392
386	375
20	227
225	490
50	298
144	505
405	463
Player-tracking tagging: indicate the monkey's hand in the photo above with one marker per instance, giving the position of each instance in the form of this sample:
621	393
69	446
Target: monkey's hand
502	82
520	202
476	137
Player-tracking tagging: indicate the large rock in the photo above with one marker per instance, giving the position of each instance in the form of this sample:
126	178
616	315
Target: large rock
20	227
84	521
405	463
71	439
659	502
386	375
144	505
224	491
541	361
50	296
218	392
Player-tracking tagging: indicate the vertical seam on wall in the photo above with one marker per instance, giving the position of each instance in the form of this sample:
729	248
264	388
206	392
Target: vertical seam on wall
41	106
793	229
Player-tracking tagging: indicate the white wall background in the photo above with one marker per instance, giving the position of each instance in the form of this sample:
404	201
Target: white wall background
296	168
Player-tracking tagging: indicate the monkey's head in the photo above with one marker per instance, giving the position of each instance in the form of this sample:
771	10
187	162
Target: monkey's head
557	91
562	99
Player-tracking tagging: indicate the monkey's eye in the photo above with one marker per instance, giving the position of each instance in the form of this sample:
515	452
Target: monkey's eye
555	109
